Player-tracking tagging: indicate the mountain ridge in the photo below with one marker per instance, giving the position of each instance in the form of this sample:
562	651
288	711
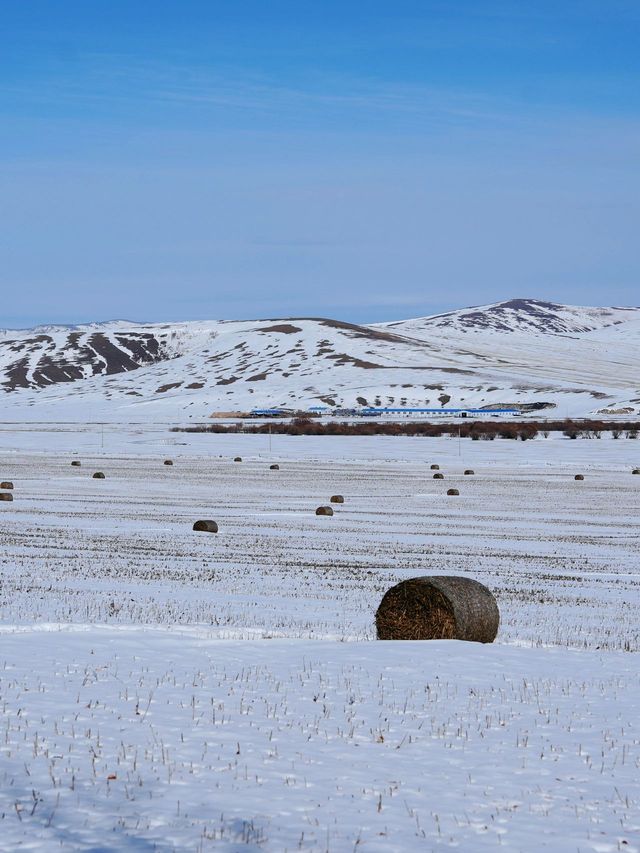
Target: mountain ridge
526	351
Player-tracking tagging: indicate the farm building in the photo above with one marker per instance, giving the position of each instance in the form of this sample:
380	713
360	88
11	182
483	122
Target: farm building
373	411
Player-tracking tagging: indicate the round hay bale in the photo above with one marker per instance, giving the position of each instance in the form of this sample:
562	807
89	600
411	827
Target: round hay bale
438	608
274	467
206	525
579	477
438	476
98	475
453	492
324	510
469	471
7	484
238	459
75	463
168	461
435	467
636	471
6	496
336	499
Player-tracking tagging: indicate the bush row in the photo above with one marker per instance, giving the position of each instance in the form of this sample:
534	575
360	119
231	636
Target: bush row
475	430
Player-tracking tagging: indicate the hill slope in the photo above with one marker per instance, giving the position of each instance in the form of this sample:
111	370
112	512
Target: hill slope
578	360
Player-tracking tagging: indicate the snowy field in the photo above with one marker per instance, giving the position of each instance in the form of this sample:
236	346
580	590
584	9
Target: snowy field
162	689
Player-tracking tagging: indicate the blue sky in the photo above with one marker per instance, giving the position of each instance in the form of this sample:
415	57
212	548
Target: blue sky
362	160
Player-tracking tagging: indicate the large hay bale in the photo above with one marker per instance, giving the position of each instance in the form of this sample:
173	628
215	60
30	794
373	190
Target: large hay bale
579	477
435	467
438	476
98	475
336	499
6	484
324	510
6	496
453	492
238	459
168	461
206	525
636	471
76	463
438	608
274	467
469	471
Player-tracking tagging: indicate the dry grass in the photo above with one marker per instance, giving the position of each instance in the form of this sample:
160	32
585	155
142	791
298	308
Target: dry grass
412	611
544	546
324	510
206	526
438	608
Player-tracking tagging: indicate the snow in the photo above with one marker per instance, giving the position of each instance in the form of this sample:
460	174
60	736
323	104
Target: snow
115	737
578	360
166	690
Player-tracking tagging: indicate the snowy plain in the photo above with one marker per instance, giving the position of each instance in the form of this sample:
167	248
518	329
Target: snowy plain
167	690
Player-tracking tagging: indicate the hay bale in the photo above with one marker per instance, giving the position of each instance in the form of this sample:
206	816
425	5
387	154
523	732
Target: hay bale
274	467
7	484
98	475
75	464
579	477
636	471
453	492
435	467
469	471
206	525
324	510
238	459
6	496
168	461
438	608
438	476
336	499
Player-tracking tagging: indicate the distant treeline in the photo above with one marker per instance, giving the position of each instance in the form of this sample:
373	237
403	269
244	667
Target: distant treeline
475	430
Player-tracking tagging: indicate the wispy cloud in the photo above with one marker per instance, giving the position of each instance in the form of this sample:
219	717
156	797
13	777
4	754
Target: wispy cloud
113	81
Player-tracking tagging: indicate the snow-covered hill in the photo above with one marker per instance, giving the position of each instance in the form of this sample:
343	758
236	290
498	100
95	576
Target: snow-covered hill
573	360
525	315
